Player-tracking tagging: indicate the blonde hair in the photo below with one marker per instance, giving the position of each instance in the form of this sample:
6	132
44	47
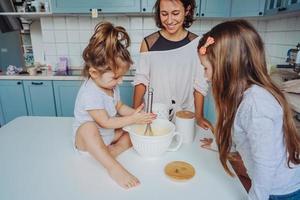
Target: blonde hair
106	48
238	61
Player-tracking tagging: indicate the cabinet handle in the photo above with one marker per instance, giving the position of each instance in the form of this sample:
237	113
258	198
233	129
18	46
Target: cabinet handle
99	9
202	14
19	83
197	14
144	9
281	9
260	13
37	83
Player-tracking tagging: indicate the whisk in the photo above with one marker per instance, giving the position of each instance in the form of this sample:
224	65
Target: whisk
148	130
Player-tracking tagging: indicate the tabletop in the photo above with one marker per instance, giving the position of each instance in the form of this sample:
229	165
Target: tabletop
37	161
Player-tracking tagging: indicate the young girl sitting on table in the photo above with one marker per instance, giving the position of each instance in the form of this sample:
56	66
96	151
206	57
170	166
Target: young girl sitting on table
97	127
252	112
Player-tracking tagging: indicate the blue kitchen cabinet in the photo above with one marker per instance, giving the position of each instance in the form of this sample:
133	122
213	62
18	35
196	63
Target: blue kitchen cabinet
247	8
209	108
147	6
103	6
215	8
39	98
281	6
126	92
12	100
65	93
293	5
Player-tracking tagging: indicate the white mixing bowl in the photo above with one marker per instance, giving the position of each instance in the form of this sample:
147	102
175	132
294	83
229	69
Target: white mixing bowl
154	146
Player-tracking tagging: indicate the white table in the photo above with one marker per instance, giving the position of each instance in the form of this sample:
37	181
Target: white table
37	162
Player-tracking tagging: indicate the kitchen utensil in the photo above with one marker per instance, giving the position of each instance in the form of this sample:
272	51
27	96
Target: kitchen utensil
148	130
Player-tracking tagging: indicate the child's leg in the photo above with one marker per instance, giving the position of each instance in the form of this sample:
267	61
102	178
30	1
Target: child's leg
121	143
88	139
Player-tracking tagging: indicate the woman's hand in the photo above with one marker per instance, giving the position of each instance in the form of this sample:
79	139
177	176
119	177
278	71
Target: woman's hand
140	117
204	123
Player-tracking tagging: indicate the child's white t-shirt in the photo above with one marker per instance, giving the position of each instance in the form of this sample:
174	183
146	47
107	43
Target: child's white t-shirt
92	97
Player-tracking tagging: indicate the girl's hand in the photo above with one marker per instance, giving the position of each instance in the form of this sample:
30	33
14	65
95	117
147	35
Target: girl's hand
140	117
204	123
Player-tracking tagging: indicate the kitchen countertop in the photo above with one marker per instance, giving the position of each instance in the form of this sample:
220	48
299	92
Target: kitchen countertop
278	77
61	77
38	162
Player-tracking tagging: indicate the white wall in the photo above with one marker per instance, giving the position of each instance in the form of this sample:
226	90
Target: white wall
68	36
281	35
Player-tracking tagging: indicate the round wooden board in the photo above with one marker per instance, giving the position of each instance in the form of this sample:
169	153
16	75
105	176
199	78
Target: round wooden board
179	171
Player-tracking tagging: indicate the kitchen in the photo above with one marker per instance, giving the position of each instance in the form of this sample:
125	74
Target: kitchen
61	31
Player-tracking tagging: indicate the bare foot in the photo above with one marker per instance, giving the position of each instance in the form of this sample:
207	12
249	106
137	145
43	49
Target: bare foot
123	177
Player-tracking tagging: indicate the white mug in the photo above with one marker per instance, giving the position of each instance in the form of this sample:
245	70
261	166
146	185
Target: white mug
162	111
185	125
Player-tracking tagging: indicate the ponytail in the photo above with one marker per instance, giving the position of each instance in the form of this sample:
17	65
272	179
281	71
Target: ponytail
106	46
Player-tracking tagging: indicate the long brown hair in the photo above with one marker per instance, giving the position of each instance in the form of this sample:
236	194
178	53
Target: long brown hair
238	61
106	49
189	5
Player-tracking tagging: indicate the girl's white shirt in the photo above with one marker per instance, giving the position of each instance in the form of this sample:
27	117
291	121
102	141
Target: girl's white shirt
173	74
258	136
92	97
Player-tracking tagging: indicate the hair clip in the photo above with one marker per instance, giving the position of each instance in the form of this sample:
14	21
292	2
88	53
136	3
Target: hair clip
209	41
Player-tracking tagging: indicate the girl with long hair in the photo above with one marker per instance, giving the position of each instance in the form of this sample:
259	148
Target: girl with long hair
252	113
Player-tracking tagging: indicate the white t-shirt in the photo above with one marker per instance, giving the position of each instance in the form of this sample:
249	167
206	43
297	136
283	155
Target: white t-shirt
92	97
173	74
258	135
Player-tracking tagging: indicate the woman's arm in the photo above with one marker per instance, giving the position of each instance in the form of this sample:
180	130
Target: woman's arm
140	89
199	102
138	95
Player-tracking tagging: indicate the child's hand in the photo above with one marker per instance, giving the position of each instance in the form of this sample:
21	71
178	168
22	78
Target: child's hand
140	117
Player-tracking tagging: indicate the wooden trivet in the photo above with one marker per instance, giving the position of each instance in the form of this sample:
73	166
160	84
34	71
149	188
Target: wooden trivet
179	171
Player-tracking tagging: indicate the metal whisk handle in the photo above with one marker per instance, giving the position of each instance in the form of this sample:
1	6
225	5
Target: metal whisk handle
150	100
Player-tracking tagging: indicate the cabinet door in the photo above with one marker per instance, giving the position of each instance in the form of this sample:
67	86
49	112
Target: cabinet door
293	5
209	108
104	6
126	92
275	6
147	6
247	8
39	98
12	100
215	8
65	93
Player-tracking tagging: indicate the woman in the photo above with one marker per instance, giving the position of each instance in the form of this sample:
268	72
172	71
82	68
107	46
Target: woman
171	80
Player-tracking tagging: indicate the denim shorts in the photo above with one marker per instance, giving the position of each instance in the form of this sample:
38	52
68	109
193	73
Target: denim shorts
292	196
